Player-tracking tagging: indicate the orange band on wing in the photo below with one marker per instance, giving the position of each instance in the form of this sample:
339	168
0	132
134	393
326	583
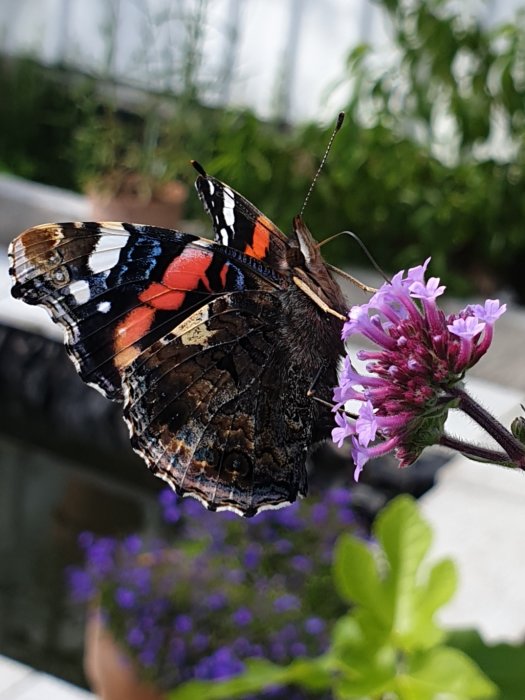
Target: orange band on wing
182	275
133	327
187	270
161	297
261	238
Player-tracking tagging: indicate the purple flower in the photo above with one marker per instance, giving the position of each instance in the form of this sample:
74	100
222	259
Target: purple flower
490	311
298	649
200	642
339	496
314	625
222	664
242	617
278	651
366	425
430	290
147	657
139	577
132	545
287	602
252	555
466	327
343	430
287	517
135	636
171	506
192	508
319	513
283	546
101	555
177	651
420	355
125	597
302	563
183	624
80	584
216	601
250	577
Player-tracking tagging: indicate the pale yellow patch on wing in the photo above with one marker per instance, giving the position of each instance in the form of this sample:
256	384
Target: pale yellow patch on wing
125	357
193	331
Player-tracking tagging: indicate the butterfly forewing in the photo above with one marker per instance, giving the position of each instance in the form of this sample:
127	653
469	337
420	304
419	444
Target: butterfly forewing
116	288
238	224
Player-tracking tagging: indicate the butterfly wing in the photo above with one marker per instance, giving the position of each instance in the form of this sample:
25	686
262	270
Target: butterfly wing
208	407
184	333
238	224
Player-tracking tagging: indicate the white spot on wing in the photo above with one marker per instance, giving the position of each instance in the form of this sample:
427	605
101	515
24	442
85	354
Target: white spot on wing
104	307
228	207
80	291
224	233
107	251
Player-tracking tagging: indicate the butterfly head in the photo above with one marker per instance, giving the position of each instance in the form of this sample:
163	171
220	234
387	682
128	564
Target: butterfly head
305	261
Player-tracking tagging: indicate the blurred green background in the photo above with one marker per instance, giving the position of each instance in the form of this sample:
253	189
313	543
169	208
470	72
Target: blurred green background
429	162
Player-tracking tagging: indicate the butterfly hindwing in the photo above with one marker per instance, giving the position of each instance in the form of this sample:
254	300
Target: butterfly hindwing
199	408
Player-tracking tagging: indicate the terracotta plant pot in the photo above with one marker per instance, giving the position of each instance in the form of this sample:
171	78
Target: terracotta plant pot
109	672
164	207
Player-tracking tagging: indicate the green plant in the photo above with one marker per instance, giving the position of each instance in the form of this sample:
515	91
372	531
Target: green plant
388	645
437	165
38	116
133	145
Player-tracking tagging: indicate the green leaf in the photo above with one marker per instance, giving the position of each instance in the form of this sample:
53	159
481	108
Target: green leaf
365	662
405	538
444	672
429	597
357	579
259	674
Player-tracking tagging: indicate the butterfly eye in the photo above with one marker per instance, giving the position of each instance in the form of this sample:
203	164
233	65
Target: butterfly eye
237	464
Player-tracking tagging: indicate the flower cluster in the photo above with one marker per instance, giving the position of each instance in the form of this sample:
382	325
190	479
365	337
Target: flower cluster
229	590
408	382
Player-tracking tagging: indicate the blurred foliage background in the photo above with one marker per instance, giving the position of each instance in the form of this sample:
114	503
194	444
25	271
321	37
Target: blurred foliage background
429	162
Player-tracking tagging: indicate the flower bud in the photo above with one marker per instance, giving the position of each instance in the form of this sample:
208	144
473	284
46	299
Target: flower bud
518	428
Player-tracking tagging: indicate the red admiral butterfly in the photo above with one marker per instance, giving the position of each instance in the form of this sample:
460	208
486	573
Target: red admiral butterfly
211	347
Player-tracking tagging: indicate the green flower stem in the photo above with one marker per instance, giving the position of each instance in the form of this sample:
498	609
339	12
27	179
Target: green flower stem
513	448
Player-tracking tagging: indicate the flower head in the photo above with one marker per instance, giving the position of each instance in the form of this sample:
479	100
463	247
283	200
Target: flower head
420	354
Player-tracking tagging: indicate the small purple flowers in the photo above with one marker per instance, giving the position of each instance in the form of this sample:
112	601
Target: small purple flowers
407	384
223	591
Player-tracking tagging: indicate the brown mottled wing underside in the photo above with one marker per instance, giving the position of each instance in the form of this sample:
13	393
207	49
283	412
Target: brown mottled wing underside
216	410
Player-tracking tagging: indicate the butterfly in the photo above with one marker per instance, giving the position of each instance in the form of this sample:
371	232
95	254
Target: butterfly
210	346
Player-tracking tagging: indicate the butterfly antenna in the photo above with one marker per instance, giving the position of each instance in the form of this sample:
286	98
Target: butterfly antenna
363	248
338	125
